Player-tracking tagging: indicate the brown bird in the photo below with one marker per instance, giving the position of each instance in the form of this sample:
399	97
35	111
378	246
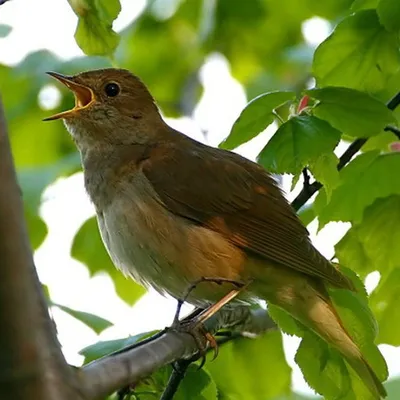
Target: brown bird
172	210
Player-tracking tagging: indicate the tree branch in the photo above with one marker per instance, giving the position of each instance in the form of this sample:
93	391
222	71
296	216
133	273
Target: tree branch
394	130
310	189
178	373
108	374
31	363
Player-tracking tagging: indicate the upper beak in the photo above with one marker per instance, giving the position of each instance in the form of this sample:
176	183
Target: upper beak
84	96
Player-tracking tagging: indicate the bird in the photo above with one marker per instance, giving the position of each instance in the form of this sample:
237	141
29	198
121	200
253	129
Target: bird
172	210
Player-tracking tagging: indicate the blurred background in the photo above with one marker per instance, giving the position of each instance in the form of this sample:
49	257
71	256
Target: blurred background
202	60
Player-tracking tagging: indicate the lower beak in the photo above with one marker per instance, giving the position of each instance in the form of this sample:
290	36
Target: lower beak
84	96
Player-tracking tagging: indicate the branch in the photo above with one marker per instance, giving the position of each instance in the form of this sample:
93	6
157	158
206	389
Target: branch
31	363
309	190
178	373
106	375
394	130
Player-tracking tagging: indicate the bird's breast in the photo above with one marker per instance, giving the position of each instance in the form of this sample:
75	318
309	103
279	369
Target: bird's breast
163	250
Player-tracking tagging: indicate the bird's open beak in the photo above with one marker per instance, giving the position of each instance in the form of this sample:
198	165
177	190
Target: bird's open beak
84	96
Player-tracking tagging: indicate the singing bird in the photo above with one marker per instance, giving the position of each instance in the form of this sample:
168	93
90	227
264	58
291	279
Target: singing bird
172	210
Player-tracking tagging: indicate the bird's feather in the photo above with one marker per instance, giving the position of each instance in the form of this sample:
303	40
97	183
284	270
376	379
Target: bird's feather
238	199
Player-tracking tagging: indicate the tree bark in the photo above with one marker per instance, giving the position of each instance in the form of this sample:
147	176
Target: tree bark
110	373
31	363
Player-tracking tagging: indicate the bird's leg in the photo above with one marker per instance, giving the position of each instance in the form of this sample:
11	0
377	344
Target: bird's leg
194	326
193	286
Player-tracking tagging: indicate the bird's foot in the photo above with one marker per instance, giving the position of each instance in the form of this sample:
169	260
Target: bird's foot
203	339
194	323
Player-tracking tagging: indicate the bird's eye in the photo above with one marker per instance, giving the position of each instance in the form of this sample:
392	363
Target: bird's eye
112	89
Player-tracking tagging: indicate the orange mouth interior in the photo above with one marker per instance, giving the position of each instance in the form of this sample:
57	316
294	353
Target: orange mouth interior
84	96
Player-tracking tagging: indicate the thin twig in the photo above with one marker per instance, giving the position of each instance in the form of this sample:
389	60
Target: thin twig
306	177
394	130
393	103
177	375
309	190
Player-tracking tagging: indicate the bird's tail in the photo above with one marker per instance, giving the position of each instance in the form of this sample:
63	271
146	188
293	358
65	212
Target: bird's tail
331	329
313	308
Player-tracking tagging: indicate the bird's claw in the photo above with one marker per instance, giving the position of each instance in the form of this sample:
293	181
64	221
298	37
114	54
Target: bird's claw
201	336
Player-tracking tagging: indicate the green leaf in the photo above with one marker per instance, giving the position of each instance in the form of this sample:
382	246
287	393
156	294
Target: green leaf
285	321
103	348
150	42
98	324
384	303
323	368
306	214
364	4
152	387
267	374
37	229
29	134
379	233
297	142
247	56
4	30
389	14
295	180
327	372
96	38
360	54
357	282
46	293
355	113
94	33
197	385
88	248
382	142
325	171
255	117
351	253
33	181
329	9
357	317
372	244
365	179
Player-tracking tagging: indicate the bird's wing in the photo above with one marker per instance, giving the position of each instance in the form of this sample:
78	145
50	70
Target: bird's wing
237	198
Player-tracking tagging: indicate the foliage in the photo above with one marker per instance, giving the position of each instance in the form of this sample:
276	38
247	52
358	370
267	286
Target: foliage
356	70
94	33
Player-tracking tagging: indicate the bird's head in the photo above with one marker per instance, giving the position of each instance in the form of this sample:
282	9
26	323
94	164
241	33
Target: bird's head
111	105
